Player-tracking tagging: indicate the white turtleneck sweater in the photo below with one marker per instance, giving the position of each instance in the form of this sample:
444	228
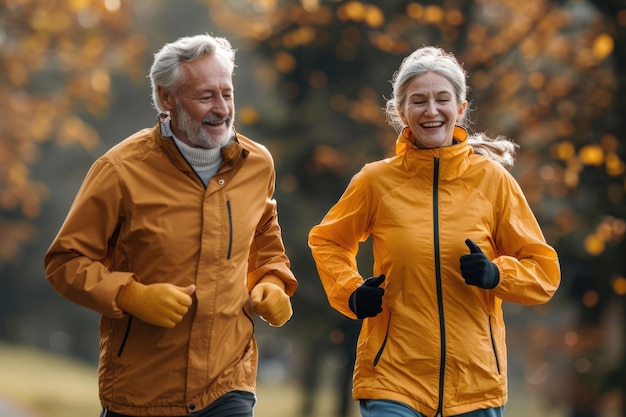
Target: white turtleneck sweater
204	161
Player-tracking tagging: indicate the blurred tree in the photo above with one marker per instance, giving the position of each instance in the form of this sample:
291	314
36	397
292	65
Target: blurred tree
599	275
57	60
549	74
56	63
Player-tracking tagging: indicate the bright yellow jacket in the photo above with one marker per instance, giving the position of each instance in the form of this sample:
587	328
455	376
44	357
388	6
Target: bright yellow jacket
439	344
142	213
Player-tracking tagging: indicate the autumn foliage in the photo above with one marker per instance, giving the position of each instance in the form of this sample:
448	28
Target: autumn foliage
550	75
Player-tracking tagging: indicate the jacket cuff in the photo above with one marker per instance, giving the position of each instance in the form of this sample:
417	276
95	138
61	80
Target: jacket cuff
272	279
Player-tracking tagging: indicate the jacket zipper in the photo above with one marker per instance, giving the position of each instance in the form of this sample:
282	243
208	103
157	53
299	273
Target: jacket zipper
230	229
442	327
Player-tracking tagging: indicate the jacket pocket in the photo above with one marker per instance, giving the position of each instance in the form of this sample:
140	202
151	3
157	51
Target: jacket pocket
125	338
382	346
251	319
493	346
230	229
249	316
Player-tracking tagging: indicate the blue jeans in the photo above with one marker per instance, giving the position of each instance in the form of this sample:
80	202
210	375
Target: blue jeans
387	408
231	404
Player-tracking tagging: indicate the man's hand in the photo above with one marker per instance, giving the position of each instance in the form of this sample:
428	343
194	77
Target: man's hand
162	304
367	300
477	269
270	301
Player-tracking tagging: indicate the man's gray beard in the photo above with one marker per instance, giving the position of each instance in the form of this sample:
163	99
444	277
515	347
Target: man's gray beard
199	137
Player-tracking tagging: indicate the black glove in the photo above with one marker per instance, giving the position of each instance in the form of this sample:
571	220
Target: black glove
367	300
477	269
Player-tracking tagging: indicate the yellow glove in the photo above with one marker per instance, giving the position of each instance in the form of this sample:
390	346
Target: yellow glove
270	301
161	304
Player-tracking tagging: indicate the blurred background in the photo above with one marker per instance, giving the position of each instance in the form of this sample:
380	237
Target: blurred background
311	82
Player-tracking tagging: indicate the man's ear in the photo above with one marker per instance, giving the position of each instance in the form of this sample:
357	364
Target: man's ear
166	97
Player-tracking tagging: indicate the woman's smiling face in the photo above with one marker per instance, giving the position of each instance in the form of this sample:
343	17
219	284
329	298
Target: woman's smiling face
430	110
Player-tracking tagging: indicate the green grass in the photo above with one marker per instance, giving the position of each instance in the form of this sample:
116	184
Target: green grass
56	386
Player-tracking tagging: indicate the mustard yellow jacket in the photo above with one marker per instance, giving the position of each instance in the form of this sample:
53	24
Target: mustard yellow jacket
142	213
439	344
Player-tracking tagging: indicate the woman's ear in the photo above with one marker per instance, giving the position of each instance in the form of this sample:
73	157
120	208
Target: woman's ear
404	121
461	112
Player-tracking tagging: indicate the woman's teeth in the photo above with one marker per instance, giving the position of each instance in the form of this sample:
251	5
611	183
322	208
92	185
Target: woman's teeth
432	124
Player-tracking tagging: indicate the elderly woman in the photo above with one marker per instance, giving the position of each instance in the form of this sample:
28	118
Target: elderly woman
453	236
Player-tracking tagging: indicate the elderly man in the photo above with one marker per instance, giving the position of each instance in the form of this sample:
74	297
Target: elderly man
173	238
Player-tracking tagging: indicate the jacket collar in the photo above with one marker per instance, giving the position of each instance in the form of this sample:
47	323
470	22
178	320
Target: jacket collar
403	143
453	159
